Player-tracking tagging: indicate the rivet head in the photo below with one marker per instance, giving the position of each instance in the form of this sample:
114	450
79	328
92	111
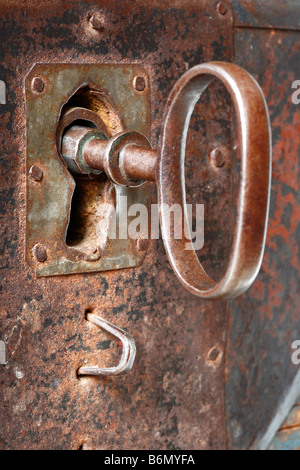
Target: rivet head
213	353
217	157
139	83
37	84
222	8
36	173
142	244
96	22
40	253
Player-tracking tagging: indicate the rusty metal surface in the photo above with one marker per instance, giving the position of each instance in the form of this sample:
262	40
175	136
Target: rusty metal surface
293	419
267	14
287	439
264	322
174	395
288	436
49	201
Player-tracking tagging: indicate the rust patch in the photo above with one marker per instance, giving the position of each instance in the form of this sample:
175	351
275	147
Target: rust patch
173	398
265	321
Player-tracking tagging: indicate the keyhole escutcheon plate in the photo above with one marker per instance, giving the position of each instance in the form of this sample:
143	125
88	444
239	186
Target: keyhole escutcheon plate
51	187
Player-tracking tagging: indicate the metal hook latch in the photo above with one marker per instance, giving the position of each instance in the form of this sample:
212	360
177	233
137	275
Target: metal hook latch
128	350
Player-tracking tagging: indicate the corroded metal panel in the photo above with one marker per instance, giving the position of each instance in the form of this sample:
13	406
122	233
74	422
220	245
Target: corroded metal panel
174	396
265	321
267	14
288	436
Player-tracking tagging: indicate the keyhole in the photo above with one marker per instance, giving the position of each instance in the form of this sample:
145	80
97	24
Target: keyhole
94	196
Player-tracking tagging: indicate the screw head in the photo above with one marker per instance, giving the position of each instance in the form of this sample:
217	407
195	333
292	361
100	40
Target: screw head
36	173
222	8
37	84
213	353
142	244
139	83
217	157
96	22
40	253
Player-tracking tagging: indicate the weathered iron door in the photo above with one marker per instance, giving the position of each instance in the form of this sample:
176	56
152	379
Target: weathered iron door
207	374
